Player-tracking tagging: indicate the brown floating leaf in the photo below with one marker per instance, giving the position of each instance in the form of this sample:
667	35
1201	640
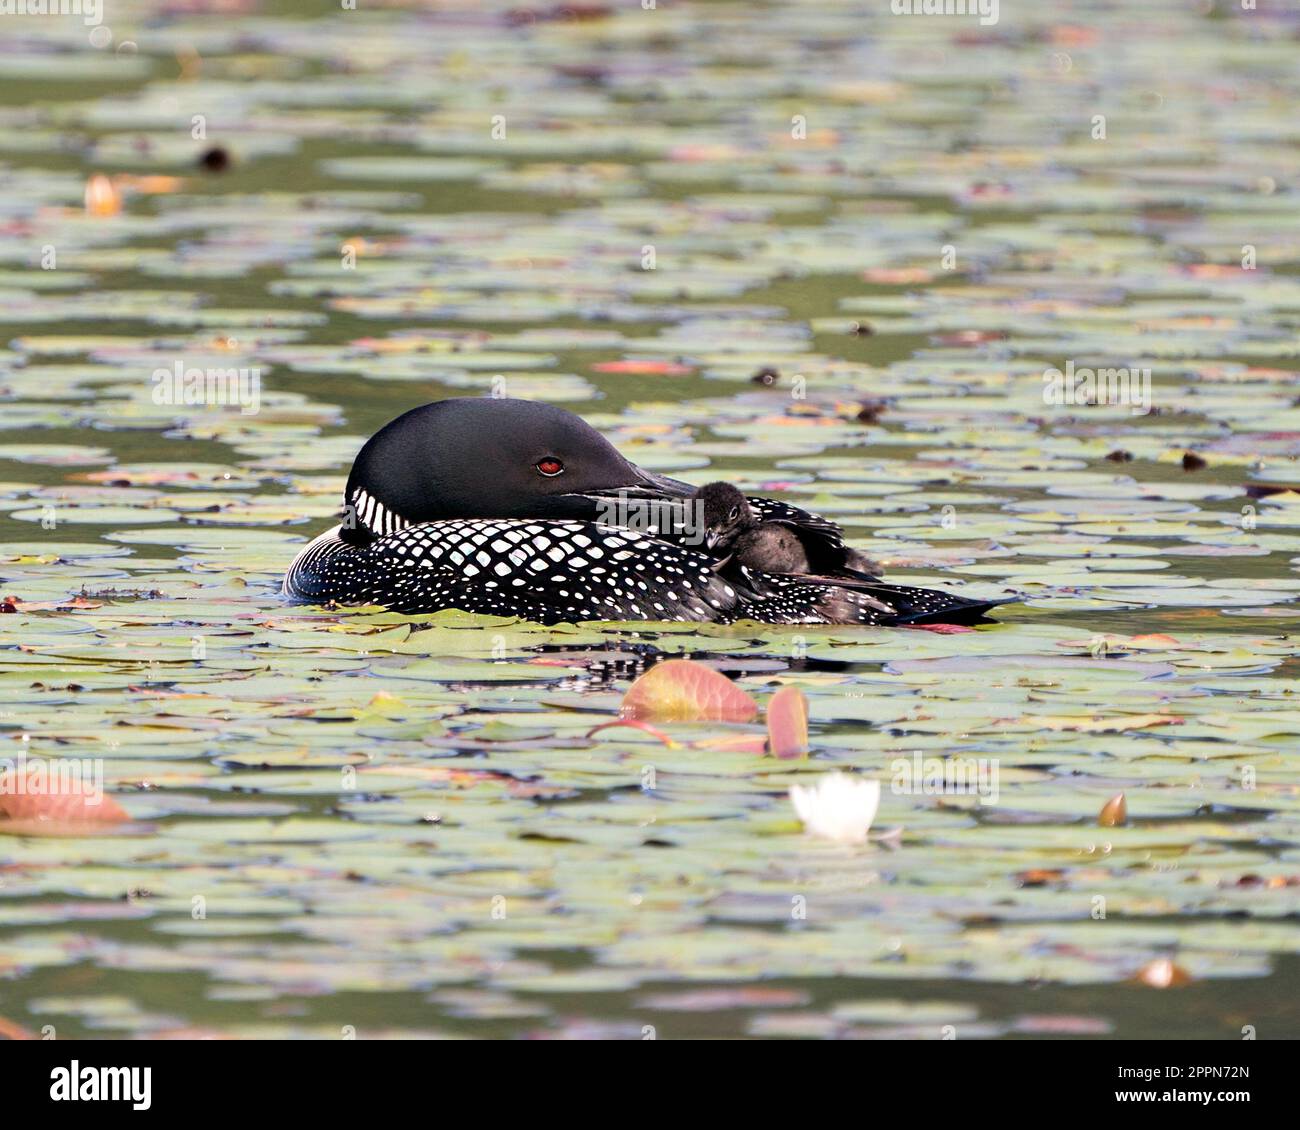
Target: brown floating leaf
1114	812
1163	974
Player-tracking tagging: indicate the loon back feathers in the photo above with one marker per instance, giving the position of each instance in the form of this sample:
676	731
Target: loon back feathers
551	571
544	570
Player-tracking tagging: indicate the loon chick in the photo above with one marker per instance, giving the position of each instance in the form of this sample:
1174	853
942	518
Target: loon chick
733	526
514	508
772	536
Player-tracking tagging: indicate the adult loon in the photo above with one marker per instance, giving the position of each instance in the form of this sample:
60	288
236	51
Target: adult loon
515	508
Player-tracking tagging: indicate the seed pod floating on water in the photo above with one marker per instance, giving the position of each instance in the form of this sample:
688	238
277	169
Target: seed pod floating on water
214	160
1114	812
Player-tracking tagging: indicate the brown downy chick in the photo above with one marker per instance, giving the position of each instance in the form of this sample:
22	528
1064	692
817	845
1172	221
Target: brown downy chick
732	528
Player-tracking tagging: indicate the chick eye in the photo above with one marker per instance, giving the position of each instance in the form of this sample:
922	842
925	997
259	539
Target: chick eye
550	466
735	513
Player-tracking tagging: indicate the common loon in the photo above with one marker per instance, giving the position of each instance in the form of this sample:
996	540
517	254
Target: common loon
515	508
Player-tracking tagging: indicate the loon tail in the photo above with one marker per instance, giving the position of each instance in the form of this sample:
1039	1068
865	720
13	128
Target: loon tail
804	598
930	606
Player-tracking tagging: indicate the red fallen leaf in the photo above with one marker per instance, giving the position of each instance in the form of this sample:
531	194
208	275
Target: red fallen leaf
787	723
645	727
644	368
1038	877
681	690
939	629
11	1031
1211	271
897	276
1154	639
53	813
1073	35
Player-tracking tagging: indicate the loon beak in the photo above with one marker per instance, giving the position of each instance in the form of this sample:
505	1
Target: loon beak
647	502
646	484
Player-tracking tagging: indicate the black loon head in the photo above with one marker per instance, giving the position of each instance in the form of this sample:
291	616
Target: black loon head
724	513
479	457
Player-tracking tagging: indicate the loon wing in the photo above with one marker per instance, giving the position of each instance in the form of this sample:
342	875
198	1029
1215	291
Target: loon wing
822	539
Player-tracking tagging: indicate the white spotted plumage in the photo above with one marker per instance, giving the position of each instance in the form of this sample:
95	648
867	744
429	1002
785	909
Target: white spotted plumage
567	571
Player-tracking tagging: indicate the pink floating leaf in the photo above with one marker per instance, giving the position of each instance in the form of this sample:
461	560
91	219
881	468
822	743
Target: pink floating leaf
681	690
54	811
643	368
787	723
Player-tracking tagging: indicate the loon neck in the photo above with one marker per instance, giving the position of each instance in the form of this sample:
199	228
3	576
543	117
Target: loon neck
366	518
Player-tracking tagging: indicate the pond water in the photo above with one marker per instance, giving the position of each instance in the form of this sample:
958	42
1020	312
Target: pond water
355	821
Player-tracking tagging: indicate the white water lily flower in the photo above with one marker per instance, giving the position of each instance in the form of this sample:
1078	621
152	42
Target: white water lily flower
838	807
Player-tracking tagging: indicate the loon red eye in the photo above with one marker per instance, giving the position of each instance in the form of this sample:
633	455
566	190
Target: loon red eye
550	466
